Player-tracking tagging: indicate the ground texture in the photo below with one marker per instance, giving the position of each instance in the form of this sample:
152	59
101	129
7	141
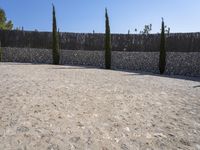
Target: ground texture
48	107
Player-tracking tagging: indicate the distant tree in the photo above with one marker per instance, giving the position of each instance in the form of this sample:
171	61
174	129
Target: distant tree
129	31
55	46
147	29
135	30
162	58
4	24
107	42
19	28
167	29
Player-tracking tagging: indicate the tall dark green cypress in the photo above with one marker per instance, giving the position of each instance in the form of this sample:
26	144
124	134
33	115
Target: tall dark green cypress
162	59
107	42
55	45
0	54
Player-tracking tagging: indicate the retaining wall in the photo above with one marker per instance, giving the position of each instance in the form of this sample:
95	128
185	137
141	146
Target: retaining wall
178	63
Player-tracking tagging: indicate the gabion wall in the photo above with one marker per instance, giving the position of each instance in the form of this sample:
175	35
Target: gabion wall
178	63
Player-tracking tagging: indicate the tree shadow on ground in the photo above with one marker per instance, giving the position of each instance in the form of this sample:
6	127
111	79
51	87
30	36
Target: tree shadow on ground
198	86
181	77
133	73
21	63
73	67
129	72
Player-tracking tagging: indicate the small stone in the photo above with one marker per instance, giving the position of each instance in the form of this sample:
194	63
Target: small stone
148	136
23	129
170	134
89	141
80	124
53	147
198	146
127	129
116	140
160	135
74	139
185	142
124	147
104	148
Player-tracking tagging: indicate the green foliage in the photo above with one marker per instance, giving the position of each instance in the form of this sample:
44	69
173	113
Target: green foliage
162	58
167	30
0	54
107	43
55	46
4	24
147	29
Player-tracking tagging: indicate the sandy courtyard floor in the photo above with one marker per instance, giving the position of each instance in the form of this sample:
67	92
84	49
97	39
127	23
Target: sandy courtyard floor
47	107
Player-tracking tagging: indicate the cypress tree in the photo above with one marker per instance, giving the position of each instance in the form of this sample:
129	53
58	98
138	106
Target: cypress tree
0	54
107	42
55	45
162	58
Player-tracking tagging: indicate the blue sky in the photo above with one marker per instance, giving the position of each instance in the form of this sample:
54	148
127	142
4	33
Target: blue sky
88	15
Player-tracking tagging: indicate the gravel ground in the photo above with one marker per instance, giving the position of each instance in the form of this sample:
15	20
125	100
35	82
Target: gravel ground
47	107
